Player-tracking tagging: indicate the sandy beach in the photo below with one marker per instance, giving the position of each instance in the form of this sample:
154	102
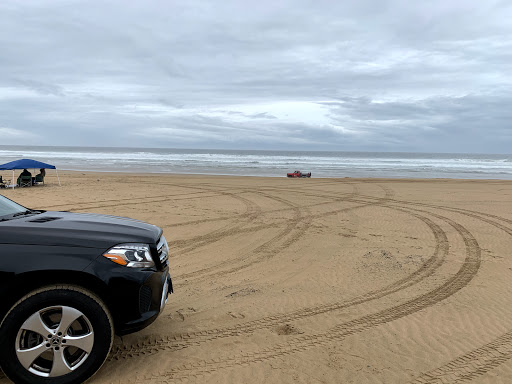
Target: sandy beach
313	280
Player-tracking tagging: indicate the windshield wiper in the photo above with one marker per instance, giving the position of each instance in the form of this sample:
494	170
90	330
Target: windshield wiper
23	213
27	212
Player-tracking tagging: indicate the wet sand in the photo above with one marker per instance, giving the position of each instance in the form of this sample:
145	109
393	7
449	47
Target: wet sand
314	280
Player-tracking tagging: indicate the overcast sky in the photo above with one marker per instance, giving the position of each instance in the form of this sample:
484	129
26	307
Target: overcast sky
376	75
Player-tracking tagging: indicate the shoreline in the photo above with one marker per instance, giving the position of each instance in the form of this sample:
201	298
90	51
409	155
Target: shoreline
272	163
155	174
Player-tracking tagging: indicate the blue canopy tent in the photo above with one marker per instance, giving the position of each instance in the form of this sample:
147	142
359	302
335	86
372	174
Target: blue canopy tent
26	164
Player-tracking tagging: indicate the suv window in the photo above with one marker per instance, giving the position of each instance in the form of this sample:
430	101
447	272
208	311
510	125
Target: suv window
9	208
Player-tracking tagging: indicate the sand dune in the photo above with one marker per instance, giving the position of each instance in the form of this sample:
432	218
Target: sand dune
316	280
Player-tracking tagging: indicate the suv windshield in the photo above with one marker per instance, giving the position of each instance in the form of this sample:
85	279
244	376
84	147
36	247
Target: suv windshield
9	208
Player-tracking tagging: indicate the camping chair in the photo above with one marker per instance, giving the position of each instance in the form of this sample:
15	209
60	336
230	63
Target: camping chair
25	181
5	183
39	179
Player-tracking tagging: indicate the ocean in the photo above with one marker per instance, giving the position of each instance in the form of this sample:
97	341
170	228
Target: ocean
268	163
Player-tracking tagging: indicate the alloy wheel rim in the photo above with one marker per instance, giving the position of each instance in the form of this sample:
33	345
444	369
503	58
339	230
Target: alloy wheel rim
54	341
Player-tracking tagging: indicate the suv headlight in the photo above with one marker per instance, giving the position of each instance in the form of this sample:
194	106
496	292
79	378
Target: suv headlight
131	255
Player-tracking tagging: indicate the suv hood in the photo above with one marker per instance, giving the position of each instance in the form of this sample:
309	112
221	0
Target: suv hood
77	230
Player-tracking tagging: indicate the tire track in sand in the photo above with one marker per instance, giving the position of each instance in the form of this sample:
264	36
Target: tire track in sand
486	217
193	339
265	250
252	212
476	214
471	365
487	357
153	199
272	247
463	276
479	361
268	249
129	200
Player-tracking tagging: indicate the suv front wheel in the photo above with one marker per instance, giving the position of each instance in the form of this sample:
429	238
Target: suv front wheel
56	334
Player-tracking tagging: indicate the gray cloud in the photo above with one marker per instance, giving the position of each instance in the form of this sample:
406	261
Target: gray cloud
360	75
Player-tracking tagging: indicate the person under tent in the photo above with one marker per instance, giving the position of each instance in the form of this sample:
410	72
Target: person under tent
23	179
40	176
25	173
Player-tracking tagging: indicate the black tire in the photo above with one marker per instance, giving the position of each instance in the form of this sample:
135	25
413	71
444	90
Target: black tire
95	323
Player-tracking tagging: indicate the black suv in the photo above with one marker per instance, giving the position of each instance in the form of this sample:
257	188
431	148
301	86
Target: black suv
68	282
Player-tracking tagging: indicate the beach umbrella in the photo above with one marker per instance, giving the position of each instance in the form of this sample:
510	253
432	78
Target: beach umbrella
26	164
